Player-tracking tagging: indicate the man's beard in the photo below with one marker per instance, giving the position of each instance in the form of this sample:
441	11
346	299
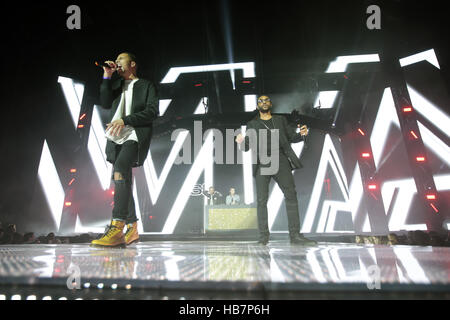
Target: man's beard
265	110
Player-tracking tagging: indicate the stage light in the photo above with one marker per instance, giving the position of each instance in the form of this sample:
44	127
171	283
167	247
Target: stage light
431	196
361	132
73	170
407	109
365	155
81	126
82	116
246	81
372	186
112	192
434	208
100	286
67	203
150	217
420	159
71	181
414	134
198	85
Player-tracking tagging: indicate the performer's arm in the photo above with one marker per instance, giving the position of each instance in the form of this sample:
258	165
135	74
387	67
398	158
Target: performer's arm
106	92
292	134
146	116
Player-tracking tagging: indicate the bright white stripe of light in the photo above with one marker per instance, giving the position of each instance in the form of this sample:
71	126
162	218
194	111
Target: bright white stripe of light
385	117
72	97
247	167
154	182
96	146
428	55
250	102
275	273
208	176
247	67
337	262
51	184
332	272
73	93
201	106
325	159
247	173
325	99
163	105
200	164
79	88
171	265
341	62
342	184
407	190
413	269
315	266
328	219
429	111
439	148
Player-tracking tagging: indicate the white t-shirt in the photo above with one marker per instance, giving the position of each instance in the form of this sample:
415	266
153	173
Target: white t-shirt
128	132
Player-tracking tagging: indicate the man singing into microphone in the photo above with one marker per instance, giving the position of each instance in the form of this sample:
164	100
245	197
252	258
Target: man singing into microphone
265	124
134	106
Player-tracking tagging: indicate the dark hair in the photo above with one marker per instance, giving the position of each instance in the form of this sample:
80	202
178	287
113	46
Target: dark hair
132	57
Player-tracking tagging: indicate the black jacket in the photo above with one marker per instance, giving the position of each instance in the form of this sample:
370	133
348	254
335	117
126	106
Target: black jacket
144	109
217	197
287	135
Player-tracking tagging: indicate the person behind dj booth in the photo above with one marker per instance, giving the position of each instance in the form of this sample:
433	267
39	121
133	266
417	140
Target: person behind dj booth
232	198
214	197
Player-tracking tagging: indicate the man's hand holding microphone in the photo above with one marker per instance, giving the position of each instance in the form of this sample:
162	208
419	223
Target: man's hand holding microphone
116	126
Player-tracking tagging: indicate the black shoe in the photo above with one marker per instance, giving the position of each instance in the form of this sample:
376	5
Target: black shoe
299	239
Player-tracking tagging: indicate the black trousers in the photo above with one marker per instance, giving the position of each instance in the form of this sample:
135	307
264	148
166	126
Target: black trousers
124	208
285	181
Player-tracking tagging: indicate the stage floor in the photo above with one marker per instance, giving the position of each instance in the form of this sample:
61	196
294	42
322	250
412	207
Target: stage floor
224	270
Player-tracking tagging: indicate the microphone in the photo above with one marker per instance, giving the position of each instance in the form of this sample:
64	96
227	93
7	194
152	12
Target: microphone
102	64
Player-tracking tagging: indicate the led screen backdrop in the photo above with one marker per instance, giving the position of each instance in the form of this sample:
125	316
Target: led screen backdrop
75	191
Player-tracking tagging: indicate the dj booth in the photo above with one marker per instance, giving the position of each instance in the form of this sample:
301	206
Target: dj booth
229	218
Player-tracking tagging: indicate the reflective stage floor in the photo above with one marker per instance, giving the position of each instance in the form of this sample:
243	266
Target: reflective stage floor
224	270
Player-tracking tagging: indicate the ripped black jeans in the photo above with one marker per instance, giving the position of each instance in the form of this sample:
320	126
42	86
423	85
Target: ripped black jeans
124	208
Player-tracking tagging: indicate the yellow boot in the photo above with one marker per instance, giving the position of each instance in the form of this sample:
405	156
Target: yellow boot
131	236
113	236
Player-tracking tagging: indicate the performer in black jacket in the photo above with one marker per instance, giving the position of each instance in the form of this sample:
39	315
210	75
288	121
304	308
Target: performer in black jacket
282	152
134	106
214	197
